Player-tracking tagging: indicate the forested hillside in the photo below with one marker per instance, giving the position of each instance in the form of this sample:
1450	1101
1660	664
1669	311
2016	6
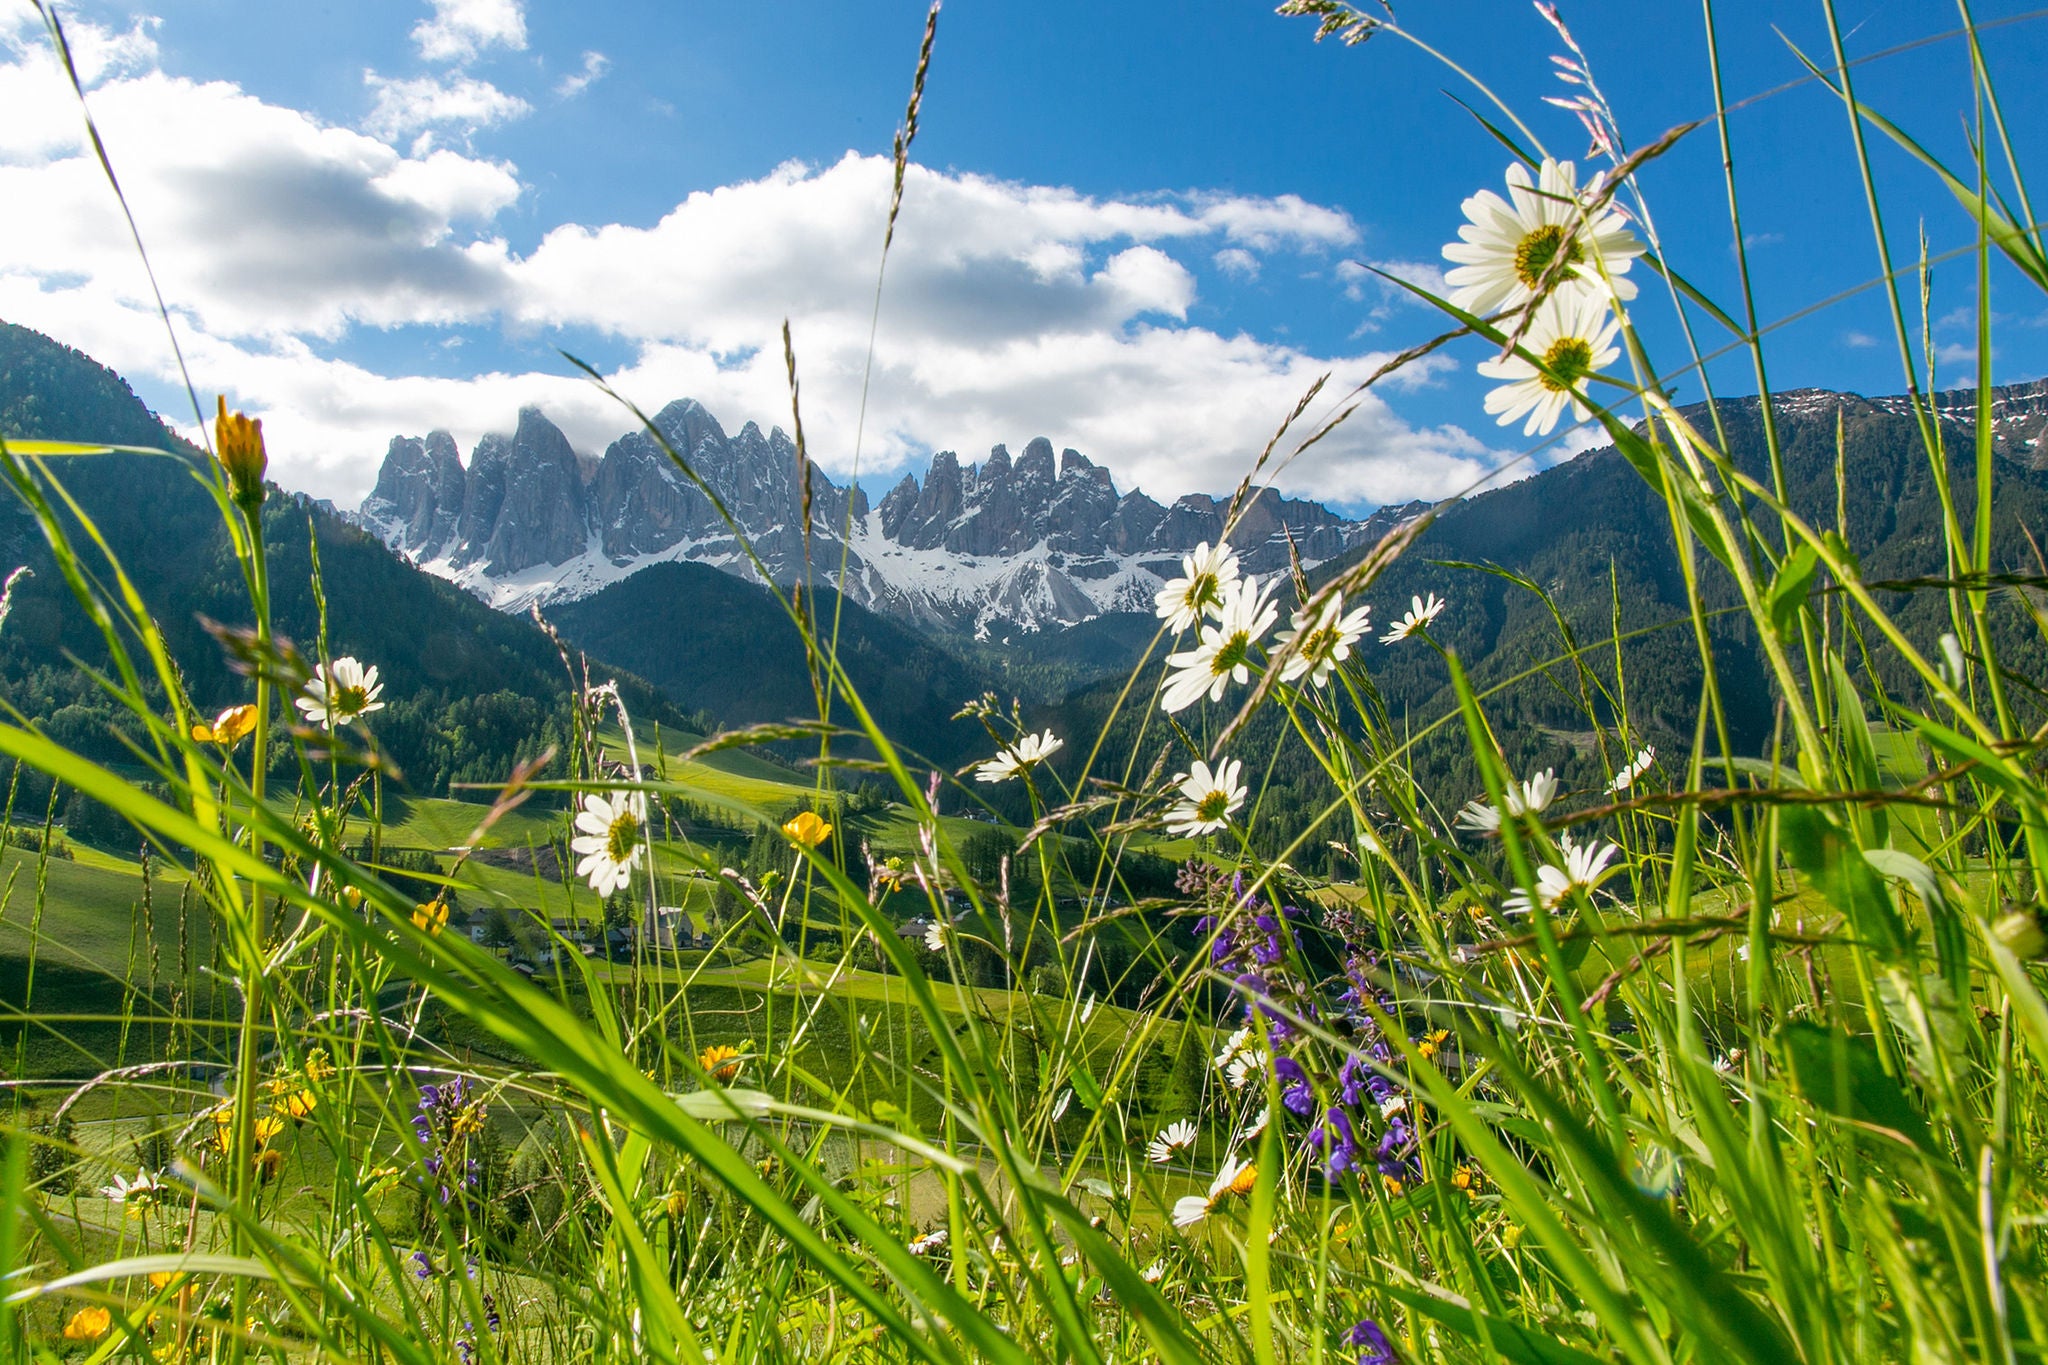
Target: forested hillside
721	645
468	690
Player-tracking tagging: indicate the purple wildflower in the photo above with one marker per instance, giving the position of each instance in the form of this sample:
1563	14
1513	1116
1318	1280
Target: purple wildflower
1338	1141
1296	1093
1390	1154
447	1117
1377	1349
1270	947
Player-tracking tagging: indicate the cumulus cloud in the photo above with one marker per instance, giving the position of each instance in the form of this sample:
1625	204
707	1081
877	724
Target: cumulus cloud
261	222
460	30
1237	263
1011	309
1265	224
427	102
595	64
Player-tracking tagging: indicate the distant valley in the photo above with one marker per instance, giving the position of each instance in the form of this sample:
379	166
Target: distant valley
1030	577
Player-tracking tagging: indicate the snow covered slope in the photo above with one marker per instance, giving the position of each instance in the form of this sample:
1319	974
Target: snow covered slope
1027	543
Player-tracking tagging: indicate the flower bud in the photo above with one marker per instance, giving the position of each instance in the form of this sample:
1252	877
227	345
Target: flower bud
2020	931
238	442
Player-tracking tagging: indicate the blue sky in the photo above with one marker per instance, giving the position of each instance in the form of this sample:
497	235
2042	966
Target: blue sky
1138	230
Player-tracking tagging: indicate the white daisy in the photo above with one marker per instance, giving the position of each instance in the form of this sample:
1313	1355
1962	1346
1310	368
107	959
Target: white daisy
1522	799
1206	578
934	1240
1585	867
935	936
1175	1137
1246	1067
1572	333
1223	655
1208	799
341	693
1478	816
1508	247
143	1190
1234	1044
1316	648
1154	1273
1251	1131
1420	613
613	836
1236	1177
1528	798
1025	753
1535	796
1637	766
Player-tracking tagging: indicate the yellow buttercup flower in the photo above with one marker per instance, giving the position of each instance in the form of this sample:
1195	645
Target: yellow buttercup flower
431	917
267	1127
721	1061
298	1104
230	727
676	1203
808	829
238	443
88	1324
1243	1182
164	1279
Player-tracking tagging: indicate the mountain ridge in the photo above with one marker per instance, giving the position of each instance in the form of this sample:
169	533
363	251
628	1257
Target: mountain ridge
1024	543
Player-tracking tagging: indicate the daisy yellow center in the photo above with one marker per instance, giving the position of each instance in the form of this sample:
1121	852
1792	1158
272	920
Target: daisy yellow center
622	838
1213	806
1230	654
1569	360
1535	252
1319	643
349	700
1202	590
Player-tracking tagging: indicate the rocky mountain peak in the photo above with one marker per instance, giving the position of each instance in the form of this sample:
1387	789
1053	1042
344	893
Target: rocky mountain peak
1033	539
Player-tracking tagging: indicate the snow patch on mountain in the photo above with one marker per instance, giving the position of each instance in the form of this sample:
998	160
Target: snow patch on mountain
1035	542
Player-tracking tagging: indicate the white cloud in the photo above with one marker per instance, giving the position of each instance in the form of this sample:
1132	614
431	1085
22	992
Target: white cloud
460	30
1423	274
261	222
1237	263
1010	310
427	102
98	53
1364	280
595	64
1858	341
1288	220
